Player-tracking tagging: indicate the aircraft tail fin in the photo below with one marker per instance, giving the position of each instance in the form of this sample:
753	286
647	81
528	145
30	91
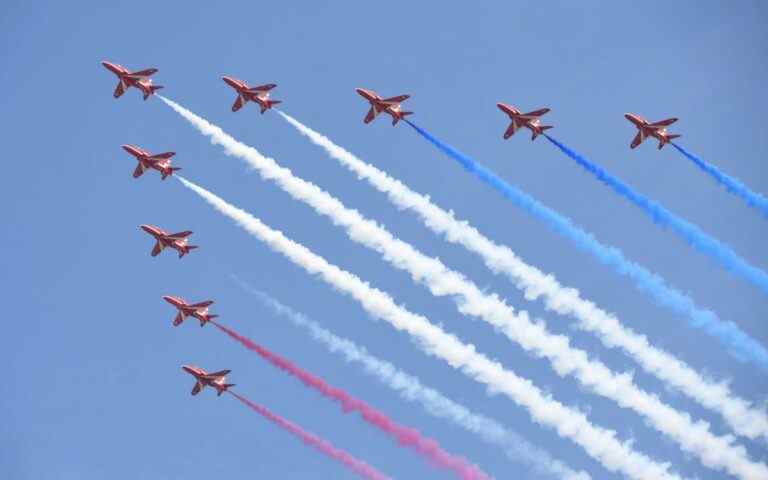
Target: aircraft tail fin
207	319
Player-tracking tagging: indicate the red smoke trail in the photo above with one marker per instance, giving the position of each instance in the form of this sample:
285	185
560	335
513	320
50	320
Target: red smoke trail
406	436
357	466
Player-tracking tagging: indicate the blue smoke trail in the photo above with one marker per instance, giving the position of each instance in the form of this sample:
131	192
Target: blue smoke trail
731	184
661	216
737	342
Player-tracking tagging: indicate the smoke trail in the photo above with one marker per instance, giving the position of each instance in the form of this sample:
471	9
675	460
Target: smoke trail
731	184
599	443
435	403
405	436
702	242
740	345
358	466
694	437
738	412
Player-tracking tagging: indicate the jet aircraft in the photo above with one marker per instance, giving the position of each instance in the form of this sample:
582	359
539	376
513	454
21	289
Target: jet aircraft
656	130
160	161
529	120
259	94
204	379
388	105
177	241
198	310
127	79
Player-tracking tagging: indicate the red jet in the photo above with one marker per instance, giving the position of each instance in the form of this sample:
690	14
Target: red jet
656	130
216	380
160	161
198	310
245	93
128	79
529	120
177	241
389	105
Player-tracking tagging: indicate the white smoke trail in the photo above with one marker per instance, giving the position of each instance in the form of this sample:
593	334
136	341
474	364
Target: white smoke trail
435	403
599	443
693	437
740	414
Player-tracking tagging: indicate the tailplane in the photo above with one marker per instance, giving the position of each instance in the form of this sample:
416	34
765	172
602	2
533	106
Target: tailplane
168	172
269	104
207	319
668	139
540	131
152	89
400	116
186	249
223	388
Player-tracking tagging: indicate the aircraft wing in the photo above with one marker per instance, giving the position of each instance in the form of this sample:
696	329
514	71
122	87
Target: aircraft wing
370	116
397	99
207	303
664	123
263	88
506	109
215	375
139	170
177	321
157	249
196	389
637	140
238	103
511	129
536	113
119	89
183	234
163	156
143	73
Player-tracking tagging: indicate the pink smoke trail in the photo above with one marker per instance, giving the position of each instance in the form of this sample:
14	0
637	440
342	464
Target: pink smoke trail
405	436
358	466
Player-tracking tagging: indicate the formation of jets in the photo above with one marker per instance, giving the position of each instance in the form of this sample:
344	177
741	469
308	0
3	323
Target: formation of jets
259	94
391	106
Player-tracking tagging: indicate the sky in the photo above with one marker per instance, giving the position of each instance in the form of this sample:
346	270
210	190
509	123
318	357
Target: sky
93	384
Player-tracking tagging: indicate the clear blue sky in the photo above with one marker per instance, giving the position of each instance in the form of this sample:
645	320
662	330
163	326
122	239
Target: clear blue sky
92	385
